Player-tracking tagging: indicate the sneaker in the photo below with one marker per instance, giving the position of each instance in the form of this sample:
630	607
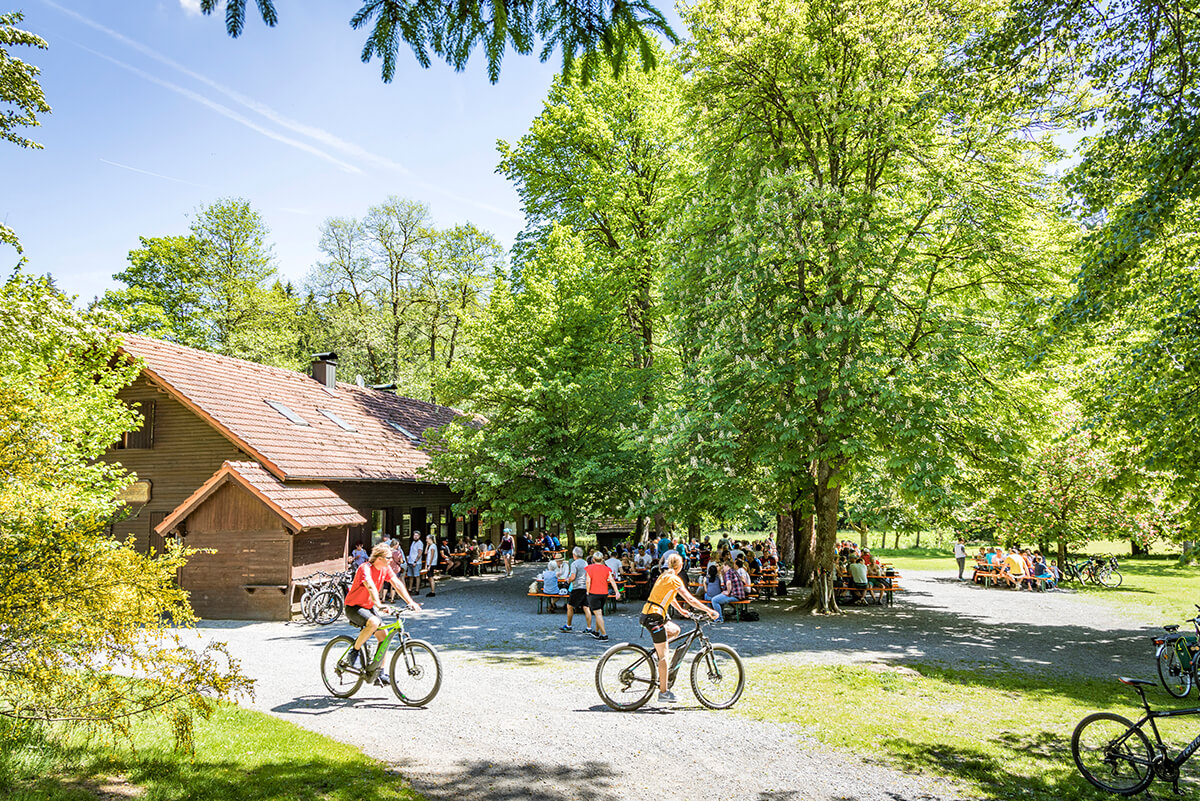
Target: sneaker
589	631
716	622
601	637
564	628
383	680
431	595
350	658
667	698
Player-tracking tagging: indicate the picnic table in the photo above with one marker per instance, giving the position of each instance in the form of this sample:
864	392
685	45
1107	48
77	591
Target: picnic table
548	598
881	589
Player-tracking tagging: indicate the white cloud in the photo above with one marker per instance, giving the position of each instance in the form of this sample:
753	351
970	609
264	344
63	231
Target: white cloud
190	7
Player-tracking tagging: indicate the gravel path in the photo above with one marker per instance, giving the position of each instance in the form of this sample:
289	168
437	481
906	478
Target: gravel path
518	715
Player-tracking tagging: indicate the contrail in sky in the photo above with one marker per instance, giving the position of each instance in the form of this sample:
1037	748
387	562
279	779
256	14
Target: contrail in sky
226	112
295	126
154	174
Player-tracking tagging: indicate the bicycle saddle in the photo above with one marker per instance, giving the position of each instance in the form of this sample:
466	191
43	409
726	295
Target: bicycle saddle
1137	682
1172	627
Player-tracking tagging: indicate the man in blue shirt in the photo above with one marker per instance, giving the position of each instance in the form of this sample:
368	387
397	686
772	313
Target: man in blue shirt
664	545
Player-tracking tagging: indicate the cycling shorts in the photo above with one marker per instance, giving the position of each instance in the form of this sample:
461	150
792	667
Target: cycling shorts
656	624
360	616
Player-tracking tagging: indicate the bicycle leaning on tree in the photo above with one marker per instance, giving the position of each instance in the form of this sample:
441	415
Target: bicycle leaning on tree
1114	753
627	674
415	673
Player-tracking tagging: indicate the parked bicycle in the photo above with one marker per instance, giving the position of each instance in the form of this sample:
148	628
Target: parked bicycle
1178	658
627	674
415	672
1103	571
1115	754
323	596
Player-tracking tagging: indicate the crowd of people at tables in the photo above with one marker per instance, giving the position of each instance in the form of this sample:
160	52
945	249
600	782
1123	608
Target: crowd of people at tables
725	574
1015	568
858	571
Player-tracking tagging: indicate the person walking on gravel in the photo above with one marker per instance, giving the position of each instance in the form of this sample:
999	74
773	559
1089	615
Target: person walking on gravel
577	579
960	556
667	591
600	578
363	598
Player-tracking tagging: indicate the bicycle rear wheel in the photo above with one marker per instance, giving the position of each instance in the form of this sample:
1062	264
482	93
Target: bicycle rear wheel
717	677
340	679
626	676
1111	577
416	673
1175	678
1112	754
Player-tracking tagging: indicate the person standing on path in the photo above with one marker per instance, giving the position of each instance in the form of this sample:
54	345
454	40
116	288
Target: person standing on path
960	556
666	592
600	578
578	598
431	560
415	553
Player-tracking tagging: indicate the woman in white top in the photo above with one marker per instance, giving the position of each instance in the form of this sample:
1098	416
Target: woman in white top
431	560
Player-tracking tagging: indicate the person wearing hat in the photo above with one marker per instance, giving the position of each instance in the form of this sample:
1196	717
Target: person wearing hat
507	547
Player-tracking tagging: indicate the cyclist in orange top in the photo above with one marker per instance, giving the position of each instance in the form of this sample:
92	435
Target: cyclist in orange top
363	598
667	590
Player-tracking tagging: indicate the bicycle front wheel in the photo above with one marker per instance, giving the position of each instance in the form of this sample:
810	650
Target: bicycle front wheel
1112	754
626	676
717	677
416	673
327	607
1175	679
340	679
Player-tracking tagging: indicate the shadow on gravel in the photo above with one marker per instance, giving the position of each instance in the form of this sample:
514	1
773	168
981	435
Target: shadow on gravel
325	704
479	780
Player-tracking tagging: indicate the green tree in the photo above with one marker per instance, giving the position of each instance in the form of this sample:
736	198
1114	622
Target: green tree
590	33
552	437
867	219
608	160
79	611
215	289
1137	184
21	96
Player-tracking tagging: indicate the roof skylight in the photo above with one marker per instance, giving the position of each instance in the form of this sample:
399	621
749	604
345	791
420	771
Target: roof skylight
286	412
333	416
404	431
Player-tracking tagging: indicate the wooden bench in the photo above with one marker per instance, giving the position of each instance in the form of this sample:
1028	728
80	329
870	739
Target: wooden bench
610	604
485	561
738	606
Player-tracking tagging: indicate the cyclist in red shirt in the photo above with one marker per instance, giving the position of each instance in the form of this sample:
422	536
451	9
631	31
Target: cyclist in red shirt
363	598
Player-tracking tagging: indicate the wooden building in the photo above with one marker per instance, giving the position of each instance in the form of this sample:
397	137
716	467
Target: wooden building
280	472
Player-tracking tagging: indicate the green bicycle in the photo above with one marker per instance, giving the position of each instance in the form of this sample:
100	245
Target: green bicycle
415	673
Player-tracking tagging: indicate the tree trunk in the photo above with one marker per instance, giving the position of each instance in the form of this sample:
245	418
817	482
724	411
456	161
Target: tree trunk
896	546
693	530
1137	549
805	558
784	540
660	524
823	600
1062	556
639	530
570	537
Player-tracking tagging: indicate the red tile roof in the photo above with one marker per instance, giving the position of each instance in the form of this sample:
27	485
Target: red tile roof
232	394
301	507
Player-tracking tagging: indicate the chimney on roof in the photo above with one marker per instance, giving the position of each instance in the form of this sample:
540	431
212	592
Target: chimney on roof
324	369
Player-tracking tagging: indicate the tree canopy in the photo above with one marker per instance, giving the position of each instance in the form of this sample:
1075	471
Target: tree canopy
587	33
21	96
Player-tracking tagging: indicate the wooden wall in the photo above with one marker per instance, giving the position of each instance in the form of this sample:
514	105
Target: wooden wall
185	453
397	496
249	575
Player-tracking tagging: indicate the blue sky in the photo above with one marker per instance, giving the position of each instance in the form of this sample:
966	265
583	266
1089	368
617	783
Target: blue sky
157	111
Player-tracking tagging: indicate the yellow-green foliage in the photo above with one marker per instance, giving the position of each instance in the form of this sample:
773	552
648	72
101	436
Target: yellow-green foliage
80	612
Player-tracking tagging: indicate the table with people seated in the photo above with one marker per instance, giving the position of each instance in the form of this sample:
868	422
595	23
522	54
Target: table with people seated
551	598
880	589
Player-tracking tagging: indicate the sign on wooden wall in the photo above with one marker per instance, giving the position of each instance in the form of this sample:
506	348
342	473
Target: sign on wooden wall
137	492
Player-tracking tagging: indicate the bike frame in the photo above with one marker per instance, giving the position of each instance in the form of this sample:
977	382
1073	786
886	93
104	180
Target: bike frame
1151	716
682	644
395	631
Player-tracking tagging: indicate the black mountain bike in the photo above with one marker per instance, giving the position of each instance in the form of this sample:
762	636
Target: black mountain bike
627	674
1115	754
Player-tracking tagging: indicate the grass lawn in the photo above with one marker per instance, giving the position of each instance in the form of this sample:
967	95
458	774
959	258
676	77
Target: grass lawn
1004	735
239	756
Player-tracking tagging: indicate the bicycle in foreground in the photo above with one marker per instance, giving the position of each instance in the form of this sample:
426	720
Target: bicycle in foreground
1178	658
627	674
415	672
1115	754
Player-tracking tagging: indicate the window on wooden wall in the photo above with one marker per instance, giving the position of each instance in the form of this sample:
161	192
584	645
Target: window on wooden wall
141	438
